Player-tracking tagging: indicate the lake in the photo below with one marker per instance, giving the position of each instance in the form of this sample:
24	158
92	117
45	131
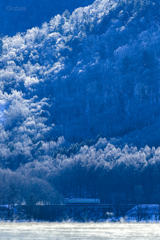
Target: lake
77	231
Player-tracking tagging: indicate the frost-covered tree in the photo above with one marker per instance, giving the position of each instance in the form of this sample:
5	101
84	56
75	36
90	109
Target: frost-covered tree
73	78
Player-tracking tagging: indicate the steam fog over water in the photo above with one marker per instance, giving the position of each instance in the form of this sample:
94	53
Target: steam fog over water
85	231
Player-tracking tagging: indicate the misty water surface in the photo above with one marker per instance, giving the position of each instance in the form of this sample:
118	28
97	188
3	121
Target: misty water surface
85	231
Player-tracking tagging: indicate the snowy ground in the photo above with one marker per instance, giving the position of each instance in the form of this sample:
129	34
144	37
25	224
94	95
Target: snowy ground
143	213
140	213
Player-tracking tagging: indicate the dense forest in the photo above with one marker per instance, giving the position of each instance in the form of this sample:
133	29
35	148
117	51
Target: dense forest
102	170
80	106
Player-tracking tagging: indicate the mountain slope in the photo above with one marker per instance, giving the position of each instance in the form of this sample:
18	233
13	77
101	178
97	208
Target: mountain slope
95	71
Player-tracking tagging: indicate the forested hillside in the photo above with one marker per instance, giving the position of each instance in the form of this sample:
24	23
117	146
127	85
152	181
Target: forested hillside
18	16
96	71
